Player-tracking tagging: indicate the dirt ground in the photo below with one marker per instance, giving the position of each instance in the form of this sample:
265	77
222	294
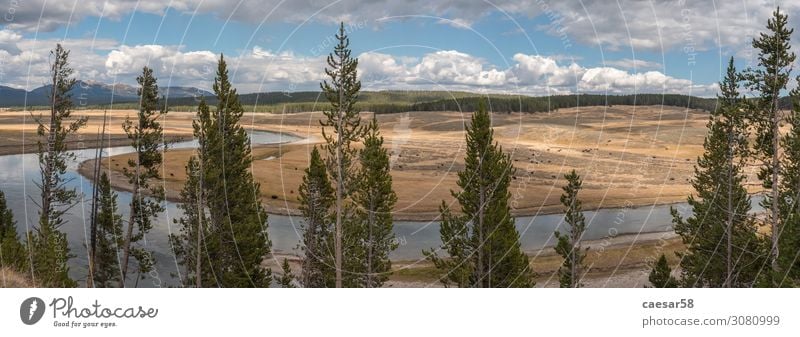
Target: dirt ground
621	262
627	155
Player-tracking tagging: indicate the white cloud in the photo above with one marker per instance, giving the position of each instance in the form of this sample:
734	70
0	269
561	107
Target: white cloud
25	65
656	25
9	40
530	74
662	25
634	64
535	69
453	67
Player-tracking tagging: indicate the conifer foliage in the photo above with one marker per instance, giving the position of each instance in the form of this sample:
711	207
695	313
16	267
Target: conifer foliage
768	79
146	135
723	248
12	250
374	199
316	200
569	244
344	122
237	240
661	274
789	238
47	244
109	236
188	244
482	243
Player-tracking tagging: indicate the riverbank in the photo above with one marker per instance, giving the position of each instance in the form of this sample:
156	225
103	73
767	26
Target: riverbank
628	157
623	261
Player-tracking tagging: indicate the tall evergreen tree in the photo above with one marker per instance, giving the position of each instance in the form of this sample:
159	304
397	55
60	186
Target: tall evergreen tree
12	250
237	220
188	244
92	246
375	200
768	79
344	120
723	248
47	244
109	236
661	274
789	238
569	244
146	135
482	243
316	198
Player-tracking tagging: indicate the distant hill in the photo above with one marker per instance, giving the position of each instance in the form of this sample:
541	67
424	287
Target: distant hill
187	98
89	93
401	101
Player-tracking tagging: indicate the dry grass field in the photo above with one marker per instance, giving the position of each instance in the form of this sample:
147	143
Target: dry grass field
627	155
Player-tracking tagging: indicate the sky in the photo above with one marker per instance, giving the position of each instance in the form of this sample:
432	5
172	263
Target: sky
528	47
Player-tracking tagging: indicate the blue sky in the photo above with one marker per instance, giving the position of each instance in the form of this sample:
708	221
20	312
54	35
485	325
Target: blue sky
531	47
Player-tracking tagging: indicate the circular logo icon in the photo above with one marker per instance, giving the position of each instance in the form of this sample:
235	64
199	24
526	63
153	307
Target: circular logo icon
31	310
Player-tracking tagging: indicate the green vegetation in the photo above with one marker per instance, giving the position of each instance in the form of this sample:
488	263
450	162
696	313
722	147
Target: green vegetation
48	246
374	200
109	236
767	80
237	240
316	200
403	101
343	121
482	243
569	244
12	250
661	274
723	248
146	136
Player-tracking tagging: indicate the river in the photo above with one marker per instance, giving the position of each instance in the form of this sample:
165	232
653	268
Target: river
21	171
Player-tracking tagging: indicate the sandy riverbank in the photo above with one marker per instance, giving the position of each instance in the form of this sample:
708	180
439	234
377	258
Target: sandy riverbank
628	156
619	262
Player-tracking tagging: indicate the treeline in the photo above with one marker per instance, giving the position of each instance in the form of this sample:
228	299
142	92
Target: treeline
383	102
553	103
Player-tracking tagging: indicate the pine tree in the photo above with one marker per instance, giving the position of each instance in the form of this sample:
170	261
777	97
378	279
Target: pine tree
375	200
723	248
482	243
188	245
12	250
316	199
286	280
775	61
47	244
237	236
109	236
789	238
569	244
661	274
146	135
344	119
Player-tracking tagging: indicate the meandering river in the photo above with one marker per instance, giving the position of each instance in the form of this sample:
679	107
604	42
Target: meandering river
19	172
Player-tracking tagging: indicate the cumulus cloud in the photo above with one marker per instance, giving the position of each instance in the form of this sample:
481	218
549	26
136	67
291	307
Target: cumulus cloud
657	25
25	65
635	64
529	74
663	25
9	40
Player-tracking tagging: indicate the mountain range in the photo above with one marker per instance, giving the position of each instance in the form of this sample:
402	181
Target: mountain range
90	93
